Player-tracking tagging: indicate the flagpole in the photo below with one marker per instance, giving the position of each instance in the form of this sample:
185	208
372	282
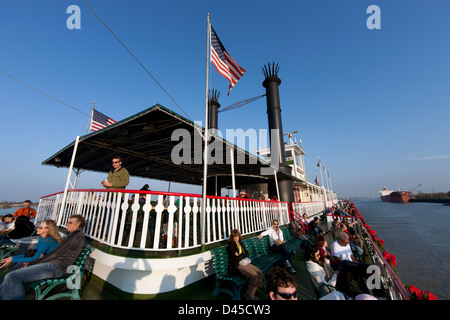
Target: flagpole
331	185
321	176
90	117
326	179
206	135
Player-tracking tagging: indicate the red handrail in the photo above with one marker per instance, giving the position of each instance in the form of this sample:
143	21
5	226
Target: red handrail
158	193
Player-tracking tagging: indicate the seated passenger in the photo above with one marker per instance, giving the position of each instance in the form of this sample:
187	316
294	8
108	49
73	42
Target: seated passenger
280	285
343	260
341	251
318	271
277	243
22	228
237	254
52	265
335	228
48	240
314	229
321	243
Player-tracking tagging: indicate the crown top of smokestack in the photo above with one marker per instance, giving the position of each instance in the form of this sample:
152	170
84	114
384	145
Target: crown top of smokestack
270	72
213	95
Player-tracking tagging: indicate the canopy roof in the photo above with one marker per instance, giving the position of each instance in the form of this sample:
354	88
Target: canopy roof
144	141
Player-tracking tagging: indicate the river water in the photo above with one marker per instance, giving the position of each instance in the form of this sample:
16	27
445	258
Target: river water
418	235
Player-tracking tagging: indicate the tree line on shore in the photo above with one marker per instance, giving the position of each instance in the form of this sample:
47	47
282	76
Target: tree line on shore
440	197
10	204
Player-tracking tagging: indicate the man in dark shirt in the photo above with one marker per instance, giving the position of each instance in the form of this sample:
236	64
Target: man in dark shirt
119	177
52	265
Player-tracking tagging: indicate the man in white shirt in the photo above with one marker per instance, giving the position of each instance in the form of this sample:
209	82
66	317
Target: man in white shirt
340	249
278	244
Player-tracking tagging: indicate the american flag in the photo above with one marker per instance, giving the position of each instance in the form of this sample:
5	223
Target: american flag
223	62
100	121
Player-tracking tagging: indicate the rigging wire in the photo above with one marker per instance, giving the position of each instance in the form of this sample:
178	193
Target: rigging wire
135	58
29	85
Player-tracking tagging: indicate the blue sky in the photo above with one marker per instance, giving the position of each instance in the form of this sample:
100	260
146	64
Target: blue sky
373	104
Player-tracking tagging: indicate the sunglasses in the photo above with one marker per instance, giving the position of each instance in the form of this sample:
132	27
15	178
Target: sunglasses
287	296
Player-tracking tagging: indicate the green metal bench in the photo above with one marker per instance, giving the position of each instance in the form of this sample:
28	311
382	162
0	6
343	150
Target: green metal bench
220	261
7	250
293	243
260	254
45	286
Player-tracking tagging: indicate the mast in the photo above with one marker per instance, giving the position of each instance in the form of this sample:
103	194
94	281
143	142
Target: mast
206	135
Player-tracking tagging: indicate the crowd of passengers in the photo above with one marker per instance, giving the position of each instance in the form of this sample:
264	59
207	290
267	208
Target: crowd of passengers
333	269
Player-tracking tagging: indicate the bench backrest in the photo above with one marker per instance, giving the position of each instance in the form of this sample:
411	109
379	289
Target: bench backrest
83	256
220	260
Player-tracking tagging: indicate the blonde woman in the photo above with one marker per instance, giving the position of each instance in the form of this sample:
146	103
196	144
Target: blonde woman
49	240
237	257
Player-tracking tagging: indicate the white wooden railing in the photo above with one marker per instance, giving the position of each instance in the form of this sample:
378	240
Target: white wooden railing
310	208
159	221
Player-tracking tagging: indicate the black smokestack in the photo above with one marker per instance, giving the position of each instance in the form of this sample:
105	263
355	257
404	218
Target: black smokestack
272	83
213	109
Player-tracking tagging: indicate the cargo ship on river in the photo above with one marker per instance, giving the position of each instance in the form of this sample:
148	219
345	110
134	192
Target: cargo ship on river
394	196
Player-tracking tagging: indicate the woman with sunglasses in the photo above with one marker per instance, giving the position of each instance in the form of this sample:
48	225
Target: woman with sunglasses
49	239
239	264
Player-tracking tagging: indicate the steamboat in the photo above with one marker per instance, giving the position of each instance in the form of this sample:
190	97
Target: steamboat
159	245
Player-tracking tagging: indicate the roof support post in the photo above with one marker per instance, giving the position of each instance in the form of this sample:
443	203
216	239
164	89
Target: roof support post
63	203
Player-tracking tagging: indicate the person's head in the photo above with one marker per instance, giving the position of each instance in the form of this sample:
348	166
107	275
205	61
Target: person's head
117	162
20	220
311	253
275	225
27	203
8	218
305	216
320	241
48	228
262	197
281	285
342	239
235	235
75	222
336	223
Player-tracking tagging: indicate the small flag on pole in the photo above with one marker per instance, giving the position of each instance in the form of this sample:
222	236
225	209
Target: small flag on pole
317	181
100	121
318	163
223	62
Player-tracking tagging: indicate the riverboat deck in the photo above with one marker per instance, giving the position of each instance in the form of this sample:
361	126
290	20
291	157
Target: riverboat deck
95	288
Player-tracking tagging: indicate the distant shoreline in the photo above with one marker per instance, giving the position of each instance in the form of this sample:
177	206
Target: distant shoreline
7	206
